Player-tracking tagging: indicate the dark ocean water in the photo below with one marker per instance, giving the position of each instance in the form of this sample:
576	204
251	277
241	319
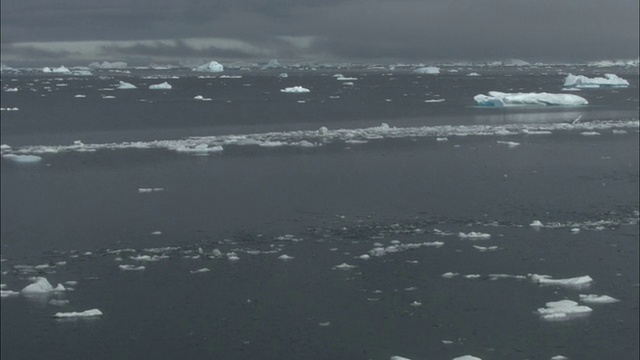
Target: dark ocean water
317	176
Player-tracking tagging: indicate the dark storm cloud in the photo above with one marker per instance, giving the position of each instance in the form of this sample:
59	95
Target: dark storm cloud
345	29
173	49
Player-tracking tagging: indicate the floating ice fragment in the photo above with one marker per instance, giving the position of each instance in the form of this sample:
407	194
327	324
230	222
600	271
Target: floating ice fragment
58	302
324	323
203	270
473	74
442	139
86	313
581	81
500	99
467	357
536	224
41	286
589	133
510	144
125	86
8	293
474	236
597	299
447	342
343	78
576	282
202	98
295	89
22	159
472	276
80	96
163	86
416	304
156	233
432	70
148	190
131	267
485	248
212	66
449	275
559	357
575	230
344	266
563	309
364	257
396	357
618	132
285	257
434	100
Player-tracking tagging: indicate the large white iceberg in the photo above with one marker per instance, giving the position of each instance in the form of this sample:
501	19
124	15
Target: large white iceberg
427	70
58	70
164	86
581	81
500	99
212	66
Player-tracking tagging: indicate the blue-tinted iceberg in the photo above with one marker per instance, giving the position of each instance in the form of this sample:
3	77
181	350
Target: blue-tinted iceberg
500	99
581	81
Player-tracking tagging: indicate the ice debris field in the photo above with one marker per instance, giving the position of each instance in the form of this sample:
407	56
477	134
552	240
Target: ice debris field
205	145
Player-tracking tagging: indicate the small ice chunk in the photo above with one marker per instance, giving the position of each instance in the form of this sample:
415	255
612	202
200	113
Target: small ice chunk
500	99
396	357
41	286
536	224
416	304
203	270
86	313
559	357
163	86
8	293
472	276
295	89
201	98
575	282
344	266
473	74
327	323
474	236
434	100
131	267
285	257
581	81
575	230
510	144
431	70
125	86
58	302
597	299
156	233
449	275
22	159
467	357
556	310
364	257
590	133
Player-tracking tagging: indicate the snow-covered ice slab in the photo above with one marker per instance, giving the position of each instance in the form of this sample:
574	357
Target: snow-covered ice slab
563	309
581	81
41	286
575	282
500	99
86	313
598	299
162	86
295	89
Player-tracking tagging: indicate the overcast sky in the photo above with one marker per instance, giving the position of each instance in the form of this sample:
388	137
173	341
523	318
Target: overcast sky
80	31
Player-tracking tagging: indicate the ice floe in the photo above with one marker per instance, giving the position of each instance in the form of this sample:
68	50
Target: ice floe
510	144
41	285
201	98
58	70
8	293
597	299
202	270
434	100
575	282
449	275
212	66
131	267
563	309
500	99
473	74
474	235
23	159
431	70
295	89
285	257
149	190
126	86
344	266
86	313
466	357
581	81
162	86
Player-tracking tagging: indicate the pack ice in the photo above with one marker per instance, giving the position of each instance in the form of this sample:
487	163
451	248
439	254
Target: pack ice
500	99
581	81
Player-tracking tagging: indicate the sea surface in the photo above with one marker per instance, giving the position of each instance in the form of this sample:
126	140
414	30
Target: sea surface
317	225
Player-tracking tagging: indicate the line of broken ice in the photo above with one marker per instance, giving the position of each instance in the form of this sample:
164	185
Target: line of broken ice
313	138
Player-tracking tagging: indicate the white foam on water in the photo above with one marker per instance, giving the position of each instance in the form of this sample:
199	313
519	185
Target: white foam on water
82	314
597	299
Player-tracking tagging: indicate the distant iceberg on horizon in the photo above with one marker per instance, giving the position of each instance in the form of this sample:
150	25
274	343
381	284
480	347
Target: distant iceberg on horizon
59	70
500	99
212	66
581	81
108	65
427	70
